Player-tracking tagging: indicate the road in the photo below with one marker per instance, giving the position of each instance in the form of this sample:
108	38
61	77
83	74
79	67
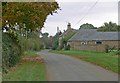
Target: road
65	68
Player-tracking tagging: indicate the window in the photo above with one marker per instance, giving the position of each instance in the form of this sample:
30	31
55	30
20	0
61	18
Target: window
98	42
84	43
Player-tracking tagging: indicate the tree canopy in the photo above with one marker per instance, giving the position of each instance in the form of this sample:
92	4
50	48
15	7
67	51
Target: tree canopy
87	26
32	14
110	26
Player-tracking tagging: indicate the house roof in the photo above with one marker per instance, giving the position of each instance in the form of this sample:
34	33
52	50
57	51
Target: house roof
69	31
93	34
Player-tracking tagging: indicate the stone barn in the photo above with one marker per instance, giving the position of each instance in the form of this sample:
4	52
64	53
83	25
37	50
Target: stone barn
92	40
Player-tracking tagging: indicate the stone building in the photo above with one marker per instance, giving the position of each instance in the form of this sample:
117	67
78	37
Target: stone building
92	40
66	34
68	31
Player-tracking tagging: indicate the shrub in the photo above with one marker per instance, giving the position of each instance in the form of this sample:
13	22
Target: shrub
67	47
117	52
31	44
55	45
11	51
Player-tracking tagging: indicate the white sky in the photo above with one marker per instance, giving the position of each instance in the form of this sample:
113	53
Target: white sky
73	10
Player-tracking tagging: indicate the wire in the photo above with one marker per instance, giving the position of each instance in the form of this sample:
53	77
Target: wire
87	12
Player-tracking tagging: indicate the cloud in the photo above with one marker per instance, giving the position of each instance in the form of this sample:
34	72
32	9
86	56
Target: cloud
74	11
51	27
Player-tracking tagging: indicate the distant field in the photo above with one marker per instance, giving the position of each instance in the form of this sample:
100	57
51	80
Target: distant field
27	71
108	61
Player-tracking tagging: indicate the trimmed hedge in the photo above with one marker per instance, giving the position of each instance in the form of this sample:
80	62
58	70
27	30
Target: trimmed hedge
11	51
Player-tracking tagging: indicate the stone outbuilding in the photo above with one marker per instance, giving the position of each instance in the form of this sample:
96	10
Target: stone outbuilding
92	40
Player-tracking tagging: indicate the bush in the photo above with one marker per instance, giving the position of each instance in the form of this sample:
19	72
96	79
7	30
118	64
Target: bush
11	51
67	47
31	44
117	52
55	45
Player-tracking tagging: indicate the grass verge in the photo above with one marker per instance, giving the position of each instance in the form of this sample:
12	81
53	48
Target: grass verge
27	70
105	60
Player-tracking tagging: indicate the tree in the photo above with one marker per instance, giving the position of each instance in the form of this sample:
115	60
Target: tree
66	38
109	27
0	14
33	14
87	26
45	40
30	14
55	44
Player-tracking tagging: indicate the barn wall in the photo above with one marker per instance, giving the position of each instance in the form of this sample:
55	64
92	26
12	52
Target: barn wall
92	46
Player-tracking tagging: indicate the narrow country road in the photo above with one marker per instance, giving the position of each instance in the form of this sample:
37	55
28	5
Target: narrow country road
65	68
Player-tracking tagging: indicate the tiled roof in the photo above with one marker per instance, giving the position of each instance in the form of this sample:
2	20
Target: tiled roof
93	34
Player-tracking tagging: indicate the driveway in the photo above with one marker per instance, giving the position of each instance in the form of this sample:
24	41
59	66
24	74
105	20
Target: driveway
65	68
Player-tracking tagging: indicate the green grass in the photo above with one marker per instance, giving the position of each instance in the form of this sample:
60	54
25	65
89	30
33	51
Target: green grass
30	53
108	61
27	71
0	77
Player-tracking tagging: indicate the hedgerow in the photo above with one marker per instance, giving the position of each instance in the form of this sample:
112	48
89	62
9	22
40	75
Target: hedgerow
11	51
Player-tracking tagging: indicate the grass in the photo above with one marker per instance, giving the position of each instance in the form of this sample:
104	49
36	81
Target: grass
106	60
27	71
0	77
30	53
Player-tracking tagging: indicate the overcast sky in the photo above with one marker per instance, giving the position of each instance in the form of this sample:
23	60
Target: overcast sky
74	10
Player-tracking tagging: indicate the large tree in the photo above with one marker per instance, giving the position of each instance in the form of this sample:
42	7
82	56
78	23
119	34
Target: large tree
32	14
87	26
110	26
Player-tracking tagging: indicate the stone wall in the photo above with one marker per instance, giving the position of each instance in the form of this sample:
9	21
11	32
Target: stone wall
92	46
97	48
111	43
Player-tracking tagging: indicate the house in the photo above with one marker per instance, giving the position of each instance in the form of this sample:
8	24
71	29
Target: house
67	34
69	30
92	40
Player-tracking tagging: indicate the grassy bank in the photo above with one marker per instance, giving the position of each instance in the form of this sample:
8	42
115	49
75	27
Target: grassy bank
27	70
105	60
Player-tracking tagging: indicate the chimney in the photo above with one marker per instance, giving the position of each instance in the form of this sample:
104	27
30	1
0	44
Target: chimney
69	26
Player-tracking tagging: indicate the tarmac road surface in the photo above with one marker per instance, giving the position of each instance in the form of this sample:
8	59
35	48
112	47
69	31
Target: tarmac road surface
65	68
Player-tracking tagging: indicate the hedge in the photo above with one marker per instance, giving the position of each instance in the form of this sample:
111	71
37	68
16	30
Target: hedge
11	51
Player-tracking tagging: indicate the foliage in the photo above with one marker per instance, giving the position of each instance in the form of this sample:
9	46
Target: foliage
11	51
105	60
65	40
67	47
68	35
55	45
117	52
33	14
50	39
109	27
30	14
13	46
45	40
27	70
32	43
30	53
56	41
87	26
